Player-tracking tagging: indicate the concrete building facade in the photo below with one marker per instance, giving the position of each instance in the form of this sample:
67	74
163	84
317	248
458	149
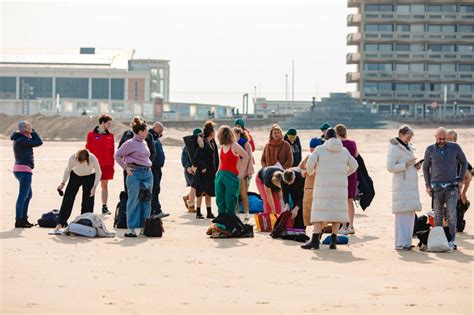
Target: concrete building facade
86	80
413	57
266	108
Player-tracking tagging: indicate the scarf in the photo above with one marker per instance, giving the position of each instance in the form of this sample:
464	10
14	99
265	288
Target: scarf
403	143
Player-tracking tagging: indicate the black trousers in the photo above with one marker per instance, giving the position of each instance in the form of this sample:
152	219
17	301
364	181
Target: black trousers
155	201
75	182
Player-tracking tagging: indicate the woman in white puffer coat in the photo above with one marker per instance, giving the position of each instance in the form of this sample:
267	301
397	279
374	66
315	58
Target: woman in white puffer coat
332	163
401	161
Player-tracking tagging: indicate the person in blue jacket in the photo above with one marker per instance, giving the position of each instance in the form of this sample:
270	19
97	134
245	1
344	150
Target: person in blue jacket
157	164
24	140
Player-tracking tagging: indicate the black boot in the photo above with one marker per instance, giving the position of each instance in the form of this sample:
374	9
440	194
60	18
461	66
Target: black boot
209	213
22	224
313	244
198	214
333	241
29	223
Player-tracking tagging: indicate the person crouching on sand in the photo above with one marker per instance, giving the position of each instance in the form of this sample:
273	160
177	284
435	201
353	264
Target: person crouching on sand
134	157
227	181
332	163
82	169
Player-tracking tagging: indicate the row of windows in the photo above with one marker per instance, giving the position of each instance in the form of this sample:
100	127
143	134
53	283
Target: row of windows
418	8
65	87
420	47
416	87
418	28
419	67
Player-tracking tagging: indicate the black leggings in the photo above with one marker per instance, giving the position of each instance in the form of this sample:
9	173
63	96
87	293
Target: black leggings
87	205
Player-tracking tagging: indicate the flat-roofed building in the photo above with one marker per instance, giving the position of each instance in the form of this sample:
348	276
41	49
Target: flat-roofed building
86	80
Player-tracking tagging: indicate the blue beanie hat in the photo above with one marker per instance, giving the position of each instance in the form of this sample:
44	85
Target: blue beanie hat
196	131
314	142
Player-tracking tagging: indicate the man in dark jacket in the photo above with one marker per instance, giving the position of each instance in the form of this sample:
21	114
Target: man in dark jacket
157	163
294	141
292	187
23	143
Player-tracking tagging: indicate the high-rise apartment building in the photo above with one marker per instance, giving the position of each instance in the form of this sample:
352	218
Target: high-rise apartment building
413	57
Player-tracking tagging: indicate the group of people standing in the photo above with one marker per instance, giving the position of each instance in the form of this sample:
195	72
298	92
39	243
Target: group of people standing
140	154
285	181
317	189
446	179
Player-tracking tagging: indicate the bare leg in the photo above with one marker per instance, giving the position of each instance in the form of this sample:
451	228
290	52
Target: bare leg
192	196
105	191
317	227
351	211
199	201
208	201
335	227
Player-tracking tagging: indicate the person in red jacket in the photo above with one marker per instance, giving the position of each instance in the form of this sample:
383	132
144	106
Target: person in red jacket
100	142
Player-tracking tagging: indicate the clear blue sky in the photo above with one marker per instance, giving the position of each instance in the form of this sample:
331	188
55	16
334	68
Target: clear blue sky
218	49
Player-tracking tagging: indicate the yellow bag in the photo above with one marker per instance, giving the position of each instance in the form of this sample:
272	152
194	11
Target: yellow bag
265	221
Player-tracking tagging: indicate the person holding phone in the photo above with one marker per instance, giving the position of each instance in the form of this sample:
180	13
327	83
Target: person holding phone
83	170
24	140
401	162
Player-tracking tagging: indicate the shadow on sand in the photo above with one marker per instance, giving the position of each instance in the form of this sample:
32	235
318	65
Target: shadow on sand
13	233
337	256
225	243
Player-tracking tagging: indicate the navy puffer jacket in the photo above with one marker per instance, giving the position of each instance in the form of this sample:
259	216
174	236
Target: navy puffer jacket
23	148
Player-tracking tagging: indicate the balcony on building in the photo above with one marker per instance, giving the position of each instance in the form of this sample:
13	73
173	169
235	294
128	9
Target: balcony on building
354	3
353	58
354	38
352	77
354	19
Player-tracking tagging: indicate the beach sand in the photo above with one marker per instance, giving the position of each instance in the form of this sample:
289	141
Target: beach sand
186	272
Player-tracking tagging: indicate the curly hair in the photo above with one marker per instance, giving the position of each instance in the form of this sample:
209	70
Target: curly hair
208	128
225	136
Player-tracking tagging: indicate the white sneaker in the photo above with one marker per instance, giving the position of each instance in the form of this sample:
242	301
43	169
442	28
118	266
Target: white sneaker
247	216
343	231
350	230
452	245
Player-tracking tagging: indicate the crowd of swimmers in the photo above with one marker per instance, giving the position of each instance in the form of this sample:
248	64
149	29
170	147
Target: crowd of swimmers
317	189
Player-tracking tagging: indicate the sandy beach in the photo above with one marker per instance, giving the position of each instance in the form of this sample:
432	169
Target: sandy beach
186	272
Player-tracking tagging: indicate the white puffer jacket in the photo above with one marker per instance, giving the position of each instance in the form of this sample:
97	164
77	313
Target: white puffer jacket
405	195
333	163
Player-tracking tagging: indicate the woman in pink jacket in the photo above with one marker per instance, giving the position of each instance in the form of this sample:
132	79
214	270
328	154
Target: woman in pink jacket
245	167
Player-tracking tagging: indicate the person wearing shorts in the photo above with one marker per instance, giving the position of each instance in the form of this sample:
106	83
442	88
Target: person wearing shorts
100	142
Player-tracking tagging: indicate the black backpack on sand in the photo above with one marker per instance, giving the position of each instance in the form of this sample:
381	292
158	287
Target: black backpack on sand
120	221
49	219
153	227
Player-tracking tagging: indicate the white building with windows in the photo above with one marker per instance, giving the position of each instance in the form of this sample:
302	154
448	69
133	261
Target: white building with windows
413	55
91	80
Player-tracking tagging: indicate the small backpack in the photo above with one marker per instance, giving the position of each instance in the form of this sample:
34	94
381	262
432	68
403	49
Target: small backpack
120	221
49	219
153	227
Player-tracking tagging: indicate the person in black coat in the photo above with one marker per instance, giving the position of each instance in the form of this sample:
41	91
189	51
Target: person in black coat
206	160
294	141
157	164
128	134
292	186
